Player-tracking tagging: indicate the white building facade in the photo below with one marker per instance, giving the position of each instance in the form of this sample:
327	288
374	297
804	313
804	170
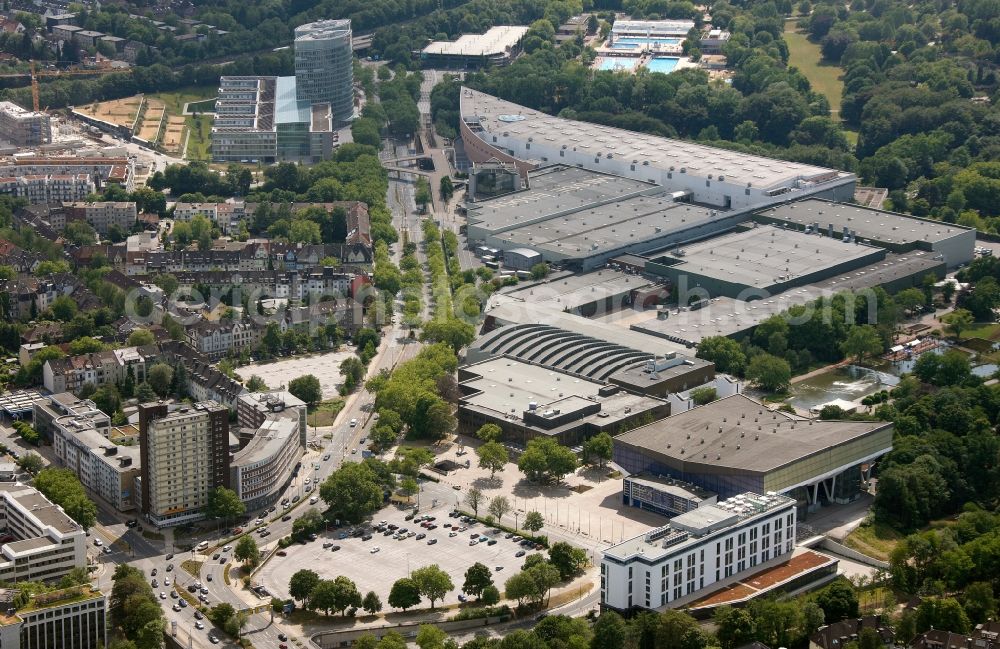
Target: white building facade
699	551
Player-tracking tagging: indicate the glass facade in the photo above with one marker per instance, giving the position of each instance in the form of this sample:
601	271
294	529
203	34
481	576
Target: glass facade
324	65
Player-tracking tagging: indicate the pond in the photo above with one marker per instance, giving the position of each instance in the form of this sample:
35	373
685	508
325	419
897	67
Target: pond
850	383
853	383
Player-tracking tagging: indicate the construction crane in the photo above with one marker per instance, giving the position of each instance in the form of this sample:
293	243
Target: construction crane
34	74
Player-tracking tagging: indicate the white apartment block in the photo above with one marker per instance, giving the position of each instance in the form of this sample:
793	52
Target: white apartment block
48	188
227	216
80	442
48	542
103	215
23	127
704	549
217	339
72	618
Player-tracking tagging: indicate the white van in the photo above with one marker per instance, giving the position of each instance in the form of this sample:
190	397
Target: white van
202	546
313	500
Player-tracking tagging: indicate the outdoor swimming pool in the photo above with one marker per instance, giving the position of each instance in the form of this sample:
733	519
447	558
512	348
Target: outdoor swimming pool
636	43
664	64
619	63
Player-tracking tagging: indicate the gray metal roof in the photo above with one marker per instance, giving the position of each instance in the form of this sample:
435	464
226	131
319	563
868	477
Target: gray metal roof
739	434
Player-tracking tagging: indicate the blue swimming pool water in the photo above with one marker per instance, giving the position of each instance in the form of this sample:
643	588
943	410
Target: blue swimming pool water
664	64
632	43
619	63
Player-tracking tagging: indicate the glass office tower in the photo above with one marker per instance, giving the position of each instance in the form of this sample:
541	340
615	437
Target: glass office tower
323	66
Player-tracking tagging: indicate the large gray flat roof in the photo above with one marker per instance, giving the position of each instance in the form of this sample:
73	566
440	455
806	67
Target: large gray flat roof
760	256
726	316
570	291
740	434
869	223
660	152
508	385
553	190
610	226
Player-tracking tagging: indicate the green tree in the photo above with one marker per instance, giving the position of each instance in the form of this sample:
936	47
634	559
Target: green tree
405	593
734	627
610	632
302	583
371	603
489	432
490	596
452	331
704	395
221	613
306	388
63	308
447	188
30	462
498	507
431	637
769	372
478	577
567	559
352	492
598	449
910	299
256	384
474	498
958	321
493	457
725	352
862	341
545	460
979	602
533	521
246	551
423	194
432	417
838	601
144	393
160	377
63	488
224	503
539	271
432	582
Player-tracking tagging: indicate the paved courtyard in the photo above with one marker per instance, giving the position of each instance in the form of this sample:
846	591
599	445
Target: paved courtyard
325	367
585	509
394	559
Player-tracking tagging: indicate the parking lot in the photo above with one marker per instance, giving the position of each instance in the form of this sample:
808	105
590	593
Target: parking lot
325	367
394	559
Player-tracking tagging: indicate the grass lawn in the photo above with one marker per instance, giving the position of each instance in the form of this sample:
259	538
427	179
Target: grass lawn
176	99
987	330
325	412
876	540
824	77
200	130
192	567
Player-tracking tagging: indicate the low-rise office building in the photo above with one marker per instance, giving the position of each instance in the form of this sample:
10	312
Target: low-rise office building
707	547
272	441
664	496
71	618
47	543
529	401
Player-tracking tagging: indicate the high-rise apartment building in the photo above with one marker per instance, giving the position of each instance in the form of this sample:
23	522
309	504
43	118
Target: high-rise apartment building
184	455
324	70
